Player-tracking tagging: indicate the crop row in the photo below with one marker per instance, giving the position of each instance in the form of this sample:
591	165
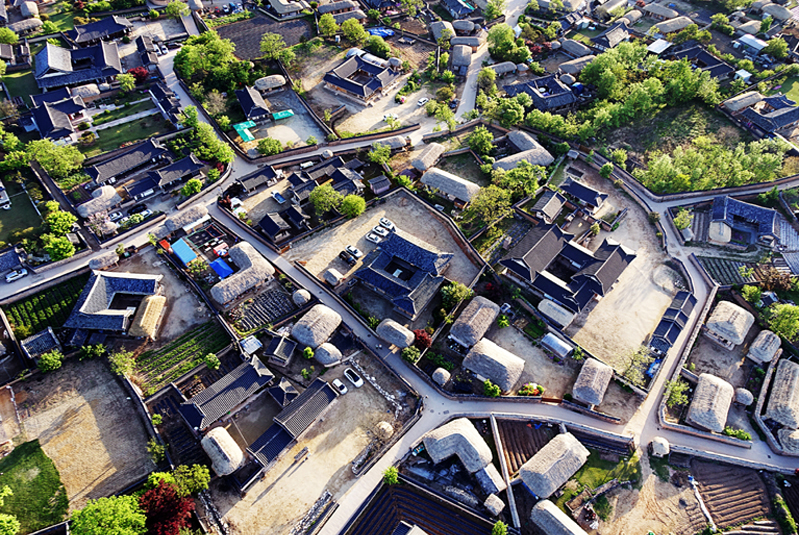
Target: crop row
48	308
152	360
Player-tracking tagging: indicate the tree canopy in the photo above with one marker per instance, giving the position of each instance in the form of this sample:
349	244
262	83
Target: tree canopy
57	221
784	320
57	247
324	199
8	37
328	26
352	206
353	31
489	204
118	515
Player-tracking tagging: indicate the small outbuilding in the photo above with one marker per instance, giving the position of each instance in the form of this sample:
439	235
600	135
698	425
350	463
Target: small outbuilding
327	355
553	465
316	326
29	10
461	56
270	83
783	403
660	447
494	363
458	437
592	382
474	321
428	157
729	324
440	376
384	430
764	347
301	297
395	334
556	345
226	456
743	397
552	521
711	403
451	187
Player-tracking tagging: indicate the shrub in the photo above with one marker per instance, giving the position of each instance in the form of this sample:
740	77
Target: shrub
51	361
491	390
156	451
531	389
391	475
122	362
212	361
737	433
411	354
503	321
268	146
423	339
157	419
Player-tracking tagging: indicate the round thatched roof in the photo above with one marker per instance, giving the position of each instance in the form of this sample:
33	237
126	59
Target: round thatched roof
592	382
226	456
394	333
553	465
327	355
327	154
272	81
316	326
743	397
29	9
253	270
428	157
384	431
495	363
660	447
474	321
730	322
555	45
84	91
567	79
458	437
711	403
103	198
764	347
441	376
186	217
301	297
463	25
494	504
789	438
537	156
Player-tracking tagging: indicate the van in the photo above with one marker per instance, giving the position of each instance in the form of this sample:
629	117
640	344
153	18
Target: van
306	165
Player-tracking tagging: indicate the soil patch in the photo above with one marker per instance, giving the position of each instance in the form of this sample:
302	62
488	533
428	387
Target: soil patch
733	495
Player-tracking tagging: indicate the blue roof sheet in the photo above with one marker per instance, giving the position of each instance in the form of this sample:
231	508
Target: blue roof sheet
183	251
221	268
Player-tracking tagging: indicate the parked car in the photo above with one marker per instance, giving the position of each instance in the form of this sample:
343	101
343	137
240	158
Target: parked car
147	213
348	258
354	251
380	231
387	223
123	221
373	238
423	101
16	275
453	104
226	9
115	216
164	50
137	209
390	117
353	377
341	387
278	197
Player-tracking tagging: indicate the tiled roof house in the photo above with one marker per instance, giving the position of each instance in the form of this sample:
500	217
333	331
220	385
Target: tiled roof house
58	67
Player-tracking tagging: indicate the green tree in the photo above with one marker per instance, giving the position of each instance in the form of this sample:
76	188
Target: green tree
307	353
51	361
58	247
676	393
58	161
783	319
57	221
196	267
327	25
269	146
595	229
378	46
122	362
446	115
500	528
489	204
9	525
324	198
127	82
191	479
352	206
8	37
751	293
481	140
765	24
224	122
486	80
353	31
636	364
522	180
176	9
683	219
453	293
91	352
156	450
274	47
212	361
118	515
606	170
380	154
491	390
411	354
157	419
191	187
494	9
777	47
508	112
413	6
391	475
503	321
619	157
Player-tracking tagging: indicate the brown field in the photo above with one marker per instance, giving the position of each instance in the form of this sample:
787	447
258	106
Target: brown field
521	440
732	495
791	495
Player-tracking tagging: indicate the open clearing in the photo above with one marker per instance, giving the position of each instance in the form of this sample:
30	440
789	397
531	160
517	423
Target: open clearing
87	426
731	366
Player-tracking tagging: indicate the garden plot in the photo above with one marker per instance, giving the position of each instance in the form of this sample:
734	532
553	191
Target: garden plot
246	35
733	495
48	308
264	309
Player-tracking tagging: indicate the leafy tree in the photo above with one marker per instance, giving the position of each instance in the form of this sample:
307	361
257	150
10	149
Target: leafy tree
352	206
765	24
378	46
422	339
90	352
118	515
491	390
509	112
784	320
453	293
58	161
654	217
157	419
619	157
391	475
212	361
521	180
503	321
551	31
751	293
446	115
274	47
8	37
606	170
127	82
327	25
269	146
353	31
481	140
191	187
176	9
380	154
637	361
324	198
167	511
445	94
204	53
191	479
500	528
683	219
775	280
494	9
556	5
503	46
122	362
676	393
486	80
57	221
51	361
307	353
58	247
9	525
595	229
214	102
411	354
489	204
224	123
156	450
373	14
777	47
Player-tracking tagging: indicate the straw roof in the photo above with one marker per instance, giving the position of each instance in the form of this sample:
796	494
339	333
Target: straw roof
674	25
316	326
552	521
25	25
474	321
327	355
711	402
777	11
186	217
463	25
449	184
743	397
253	270
461	56
555	312
576	65
660	447
393	142
764	347
744	100
29	9
84	91
789	439
226	456
752	27
440	376
429	156
783	405
494	504
490	479
103	198
145	322
537	156
395	334
437	29
592	382
301	297
553	465
273	81
103	261
633	17
730	322
575	48
108	227
458	437
384	431
494	363
503	68
522	140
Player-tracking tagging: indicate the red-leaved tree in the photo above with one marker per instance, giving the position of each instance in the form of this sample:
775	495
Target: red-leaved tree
423	340
140	73
166	510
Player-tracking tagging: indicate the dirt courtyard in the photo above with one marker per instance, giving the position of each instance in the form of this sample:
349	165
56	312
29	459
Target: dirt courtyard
184	309
732	366
87	426
295	130
158	30
411	216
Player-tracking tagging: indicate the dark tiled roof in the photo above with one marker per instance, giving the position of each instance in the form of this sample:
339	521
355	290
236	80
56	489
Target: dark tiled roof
9	259
188	166
550	204
272	225
52	119
376	78
280	348
706	61
673	321
380	4
142	185
458	9
78	338
91	310
54	96
380	183
259	178
547	92
101	29
268	446
144	43
167	101
303	411
252	103
612	36
226	394
40	343
779	101
536	250
283	392
583	193
737	213
136	156
773	120
57	67
296	217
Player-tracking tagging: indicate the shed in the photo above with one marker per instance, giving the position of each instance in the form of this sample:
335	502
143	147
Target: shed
556	345
764	347
660	447
253	271
451	186
575	66
743	397
592	382
750	28
437	29
395	334
494	363
183	251
711	403
441	376
103	199
783	404
522	140
660	11
458	437
428	157
555	312
226	456
742	101
568	79
301	297
553	465
316	326
474	321
148	315
552	521
633	17
465	26
461	56
327	355
659	46
393	142
730	322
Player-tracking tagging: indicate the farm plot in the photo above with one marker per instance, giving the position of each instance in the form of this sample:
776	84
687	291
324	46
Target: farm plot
157	368
727	272
522	440
48	308
791	495
733	495
262	310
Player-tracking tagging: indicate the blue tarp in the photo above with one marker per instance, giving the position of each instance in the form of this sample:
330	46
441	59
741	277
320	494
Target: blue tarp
183	252
221	268
382	32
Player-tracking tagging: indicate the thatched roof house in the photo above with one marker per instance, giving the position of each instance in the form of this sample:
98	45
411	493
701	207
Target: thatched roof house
777	11
789	439
103	198
743	397
742	101
254	270
451	186
632	17
506	67
673	25
537	156
327	355
316	326
463	25
395	334
458	437
494	504
226	456
267	83
461	56
393	142
553	465
494	363
301	297
437	29
522	140
145	322
187	217
592	382
29	9
660	447
783	405
104	260
575	66
27	25
552	521
730	323
440	376
711	402
474	321
428	157
764	347
575	48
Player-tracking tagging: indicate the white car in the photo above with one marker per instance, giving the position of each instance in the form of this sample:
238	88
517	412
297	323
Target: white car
123	221
115	216
353	377
390	117
164	50
354	251
380	231
386	223
341	387
147	213
423	101
373	238
16	275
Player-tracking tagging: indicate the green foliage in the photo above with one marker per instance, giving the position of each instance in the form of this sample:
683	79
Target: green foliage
391	475
118	515
208	59
453	293
636	363
486	80
153	14
503	45
489	204
380	154
187	480
307	353
269	146
122	362
777	47
212	361
737	433
156	450
503	321
274	47
783	319
481	141
602	507
324	198
191	187
751	293
491	390
606	170
58	161
378	46
48	308
51	361
500	527
683	219
784	516
411	354
176	9
578	354
765	24
654	217
91	352
58	247
8	37
57	221
127	82
224	122
509	112
353	31
352	206
531	389
676	393
157	419
595	229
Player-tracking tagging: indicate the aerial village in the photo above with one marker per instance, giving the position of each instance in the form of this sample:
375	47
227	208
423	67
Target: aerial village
395	267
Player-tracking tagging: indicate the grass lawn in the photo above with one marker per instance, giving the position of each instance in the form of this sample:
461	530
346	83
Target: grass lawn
790	88
21	217
466	167
596	472
113	138
21	84
125	111
63	21
584	36
660	466
39	499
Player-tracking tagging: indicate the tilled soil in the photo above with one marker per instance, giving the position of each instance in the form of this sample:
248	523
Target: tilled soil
732	495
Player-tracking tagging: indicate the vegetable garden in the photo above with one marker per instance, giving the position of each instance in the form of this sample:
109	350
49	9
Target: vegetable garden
156	369
48	308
